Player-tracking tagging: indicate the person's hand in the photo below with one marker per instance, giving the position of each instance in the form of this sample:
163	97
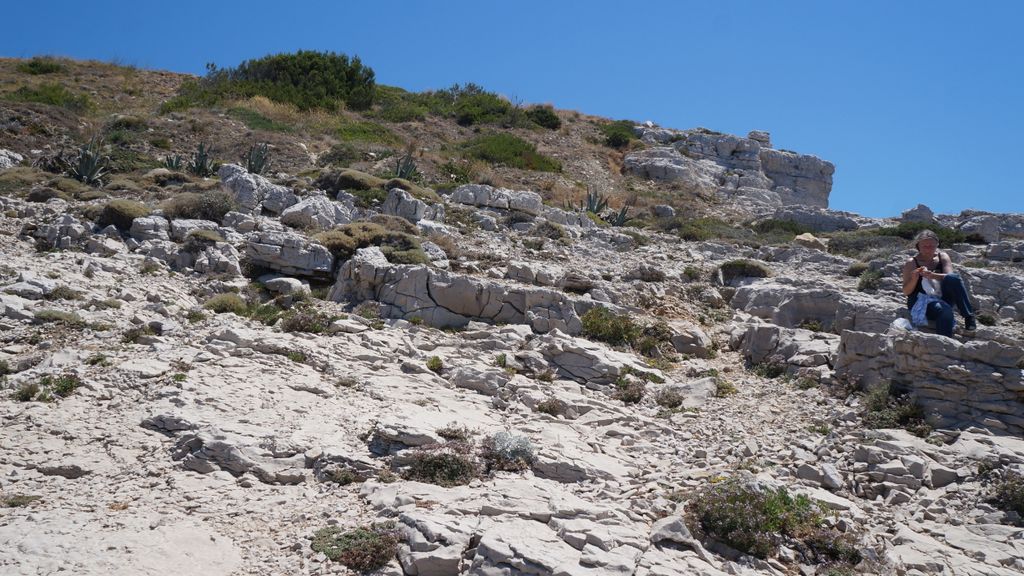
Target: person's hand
918	272
928	274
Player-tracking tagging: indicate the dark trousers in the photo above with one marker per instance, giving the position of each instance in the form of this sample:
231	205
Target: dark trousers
954	294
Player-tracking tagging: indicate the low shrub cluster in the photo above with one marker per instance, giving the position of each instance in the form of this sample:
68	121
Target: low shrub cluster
885	241
40	65
507	452
449	464
362	549
210	205
1008	492
618	134
756	520
47	387
870	281
553	406
602	324
544	116
306	79
398	247
511	151
884	408
305	318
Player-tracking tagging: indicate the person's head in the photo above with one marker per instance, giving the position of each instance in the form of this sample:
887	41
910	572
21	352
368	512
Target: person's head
926	242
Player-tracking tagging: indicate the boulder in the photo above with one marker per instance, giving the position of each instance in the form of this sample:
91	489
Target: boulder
594	365
487	196
957	384
289	253
401	203
690	339
666	164
809	240
250	190
62	232
316	213
817	220
921	213
180	229
150	228
9	159
794	348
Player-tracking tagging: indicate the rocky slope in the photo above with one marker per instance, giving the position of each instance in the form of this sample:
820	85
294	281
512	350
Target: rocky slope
212	393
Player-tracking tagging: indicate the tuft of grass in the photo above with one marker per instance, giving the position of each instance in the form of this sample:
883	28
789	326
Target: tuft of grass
296	356
511	151
69	319
453	432
363	549
98	359
602	324
552	406
884	408
62	292
629	390
223	303
26	392
256	121
670	398
724	388
210	205
306	319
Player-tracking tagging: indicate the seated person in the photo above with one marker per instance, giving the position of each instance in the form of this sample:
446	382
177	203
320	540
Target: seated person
931	264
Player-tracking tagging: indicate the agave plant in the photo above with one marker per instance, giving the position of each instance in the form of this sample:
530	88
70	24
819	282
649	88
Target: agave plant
89	165
201	163
174	162
594	202
621	218
257	159
405	167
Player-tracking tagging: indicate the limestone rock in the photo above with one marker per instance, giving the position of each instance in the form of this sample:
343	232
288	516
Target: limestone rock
250	190
316	212
921	213
180	229
488	196
666	164
289	253
9	159
810	241
150	228
817	220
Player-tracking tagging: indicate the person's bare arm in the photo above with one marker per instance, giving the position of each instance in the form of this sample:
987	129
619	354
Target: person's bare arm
910	275
945	264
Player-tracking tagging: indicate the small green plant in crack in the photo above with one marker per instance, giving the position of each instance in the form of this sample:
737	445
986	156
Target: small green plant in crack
347	382
98	360
26	392
296	356
724	388
501	360
136	334
629	390
435	364
547	375
669	397
884	408
363	549
179	377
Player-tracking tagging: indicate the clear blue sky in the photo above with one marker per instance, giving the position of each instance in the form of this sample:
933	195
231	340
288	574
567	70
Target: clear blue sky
914	101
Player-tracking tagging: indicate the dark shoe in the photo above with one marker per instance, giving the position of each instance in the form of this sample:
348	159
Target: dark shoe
970	324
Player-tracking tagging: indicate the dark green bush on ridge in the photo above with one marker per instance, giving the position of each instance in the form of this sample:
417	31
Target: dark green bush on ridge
544	116
618	134
52	94
40	65
307	79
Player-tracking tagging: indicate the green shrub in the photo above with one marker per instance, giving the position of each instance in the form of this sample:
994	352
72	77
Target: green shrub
306	79
618	134
451	464
770	368
1008	492
743	268
986	319
223	303
544	116
63	385
780	226
120	213
210	205
549	229
62	292
510	150
860	242
604	325
870	281
435	364
363	549
724	388
947	236
40	65
756	520
53	95
629	390
341	154
507	452
480	108
883	408
398	105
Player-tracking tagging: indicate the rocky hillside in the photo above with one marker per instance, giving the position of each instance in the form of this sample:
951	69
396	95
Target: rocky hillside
620	349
